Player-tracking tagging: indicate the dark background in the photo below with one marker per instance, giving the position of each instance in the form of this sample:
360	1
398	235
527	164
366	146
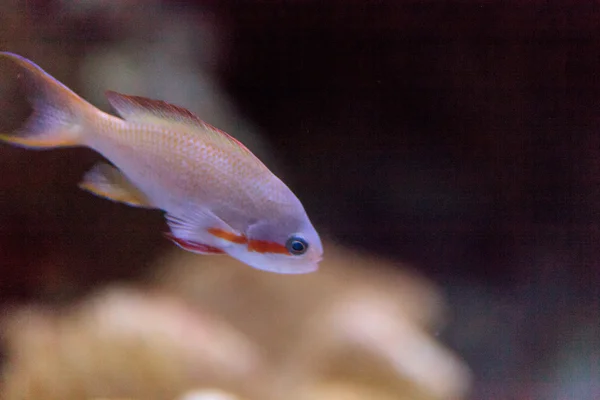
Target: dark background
458	137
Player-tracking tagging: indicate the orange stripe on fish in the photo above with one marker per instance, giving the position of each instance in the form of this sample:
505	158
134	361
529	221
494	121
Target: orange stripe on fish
230	237
258	246
264	246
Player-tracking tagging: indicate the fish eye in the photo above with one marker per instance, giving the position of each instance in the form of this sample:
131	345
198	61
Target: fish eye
296	245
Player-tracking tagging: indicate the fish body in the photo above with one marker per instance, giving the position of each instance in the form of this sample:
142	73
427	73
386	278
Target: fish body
218	197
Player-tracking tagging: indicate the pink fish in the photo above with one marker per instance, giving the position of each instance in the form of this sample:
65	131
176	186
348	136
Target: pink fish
218	198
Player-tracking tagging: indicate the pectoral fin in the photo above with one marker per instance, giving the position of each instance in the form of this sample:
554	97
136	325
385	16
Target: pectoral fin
194	247
107	181
194	231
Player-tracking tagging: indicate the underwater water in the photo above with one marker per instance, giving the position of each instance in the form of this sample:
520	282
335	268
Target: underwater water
446	152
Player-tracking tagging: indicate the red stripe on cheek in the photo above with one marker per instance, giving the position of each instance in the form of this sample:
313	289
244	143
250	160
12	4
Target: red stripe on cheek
258	246
263	246
230	237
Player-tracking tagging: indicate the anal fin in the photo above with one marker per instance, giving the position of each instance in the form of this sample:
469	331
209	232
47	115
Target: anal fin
106	181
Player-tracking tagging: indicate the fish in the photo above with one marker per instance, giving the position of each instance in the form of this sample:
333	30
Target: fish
216	195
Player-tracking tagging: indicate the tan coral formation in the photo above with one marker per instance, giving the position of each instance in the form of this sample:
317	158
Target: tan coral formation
211	328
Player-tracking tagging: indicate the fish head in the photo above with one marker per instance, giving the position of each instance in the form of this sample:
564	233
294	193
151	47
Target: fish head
289	247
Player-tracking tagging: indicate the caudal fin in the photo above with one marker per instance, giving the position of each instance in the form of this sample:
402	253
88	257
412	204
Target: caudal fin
58	113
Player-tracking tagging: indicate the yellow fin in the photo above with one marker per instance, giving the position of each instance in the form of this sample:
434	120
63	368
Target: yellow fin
144	110
35	142
107	181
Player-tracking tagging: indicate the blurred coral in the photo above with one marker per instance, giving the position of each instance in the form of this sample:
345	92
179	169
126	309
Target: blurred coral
359	318
122	342
356	329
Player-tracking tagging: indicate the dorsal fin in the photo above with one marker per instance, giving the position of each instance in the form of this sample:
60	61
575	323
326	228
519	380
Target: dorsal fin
145	110
140	109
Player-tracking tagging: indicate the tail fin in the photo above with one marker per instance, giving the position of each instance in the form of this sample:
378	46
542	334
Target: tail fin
57	116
